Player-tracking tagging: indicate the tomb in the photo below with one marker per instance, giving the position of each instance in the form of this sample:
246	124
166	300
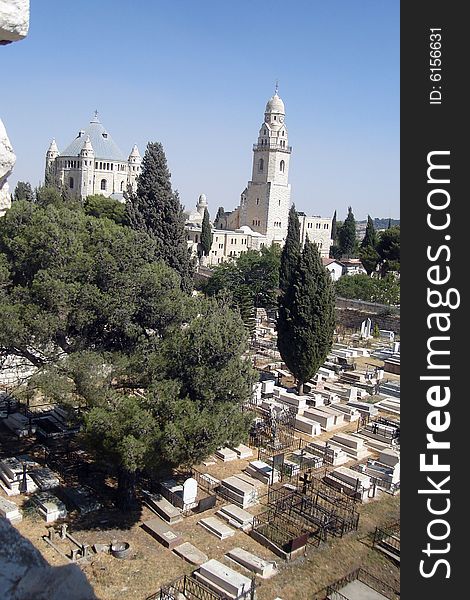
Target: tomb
49	506
236	516
243	451
217	527
253	563
163	533
262	471
306	425
82	499
242	493
226	454
190	554
10	511
223	580
163	508
315	414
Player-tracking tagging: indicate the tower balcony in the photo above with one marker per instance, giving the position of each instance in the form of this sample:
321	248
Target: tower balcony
273	147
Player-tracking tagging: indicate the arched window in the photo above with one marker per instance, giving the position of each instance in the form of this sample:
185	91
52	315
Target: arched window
103	184
122	185
71	183
282	166
260	164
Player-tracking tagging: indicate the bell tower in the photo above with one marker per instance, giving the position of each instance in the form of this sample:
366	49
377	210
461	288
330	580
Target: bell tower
266	200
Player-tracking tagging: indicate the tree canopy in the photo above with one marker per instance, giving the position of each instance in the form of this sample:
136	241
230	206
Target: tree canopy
206	234
306	316
291	250
347	236
370	289
156	209
253	274
23	191
98	205
160	374
388	248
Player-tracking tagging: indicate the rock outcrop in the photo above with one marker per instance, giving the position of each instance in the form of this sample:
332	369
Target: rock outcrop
24	574
7	162
14	25
14	20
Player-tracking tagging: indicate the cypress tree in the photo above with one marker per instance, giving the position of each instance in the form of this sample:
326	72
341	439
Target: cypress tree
334	231
156	209
206	234
347	235
291	251
370	237
306	317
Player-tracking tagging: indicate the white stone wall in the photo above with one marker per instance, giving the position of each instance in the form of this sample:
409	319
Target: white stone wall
226	245
87	178
318	230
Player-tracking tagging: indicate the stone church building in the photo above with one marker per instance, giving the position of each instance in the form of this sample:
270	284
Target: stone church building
262	215
93	164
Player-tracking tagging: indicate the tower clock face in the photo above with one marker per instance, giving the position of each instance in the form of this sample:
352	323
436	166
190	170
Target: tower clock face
281	119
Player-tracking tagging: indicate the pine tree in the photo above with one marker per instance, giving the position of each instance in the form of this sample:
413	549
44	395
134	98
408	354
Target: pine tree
291	251
370	237
155	208
23	191
206	234
306	317
347	235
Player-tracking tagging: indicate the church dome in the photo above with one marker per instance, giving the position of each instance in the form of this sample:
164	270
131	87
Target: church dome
276	105
103	144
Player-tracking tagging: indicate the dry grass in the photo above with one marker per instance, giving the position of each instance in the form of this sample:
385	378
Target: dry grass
152	565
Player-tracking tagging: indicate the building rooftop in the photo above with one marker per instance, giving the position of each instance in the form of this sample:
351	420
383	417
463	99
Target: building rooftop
103	144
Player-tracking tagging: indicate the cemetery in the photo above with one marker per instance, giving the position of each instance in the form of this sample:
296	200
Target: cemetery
226	528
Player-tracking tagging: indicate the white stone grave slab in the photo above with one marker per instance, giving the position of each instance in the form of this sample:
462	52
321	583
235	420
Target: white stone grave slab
220	577
217	527
253	563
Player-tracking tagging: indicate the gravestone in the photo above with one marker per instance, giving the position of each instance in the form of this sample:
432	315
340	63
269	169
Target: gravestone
366	327
189	491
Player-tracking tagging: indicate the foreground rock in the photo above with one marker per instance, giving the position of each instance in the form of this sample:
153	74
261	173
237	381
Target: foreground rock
24	573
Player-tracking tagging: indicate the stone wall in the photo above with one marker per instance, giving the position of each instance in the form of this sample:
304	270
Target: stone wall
351	313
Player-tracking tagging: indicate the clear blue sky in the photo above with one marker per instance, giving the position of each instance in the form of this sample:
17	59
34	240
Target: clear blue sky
196	75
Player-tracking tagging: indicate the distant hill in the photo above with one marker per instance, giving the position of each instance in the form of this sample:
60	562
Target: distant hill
383	223
378	224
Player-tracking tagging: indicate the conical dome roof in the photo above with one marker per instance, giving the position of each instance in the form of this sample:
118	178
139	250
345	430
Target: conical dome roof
103	144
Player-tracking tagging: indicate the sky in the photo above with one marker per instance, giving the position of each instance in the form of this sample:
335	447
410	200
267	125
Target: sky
195	75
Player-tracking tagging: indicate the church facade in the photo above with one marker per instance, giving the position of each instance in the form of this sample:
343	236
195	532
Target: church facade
93	164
